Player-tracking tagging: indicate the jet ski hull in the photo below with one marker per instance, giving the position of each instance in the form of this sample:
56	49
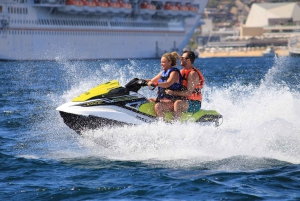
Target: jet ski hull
80	123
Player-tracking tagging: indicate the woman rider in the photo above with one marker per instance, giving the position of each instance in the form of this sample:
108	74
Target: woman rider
169	78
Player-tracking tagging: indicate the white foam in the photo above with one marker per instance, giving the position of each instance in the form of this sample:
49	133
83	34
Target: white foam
259	121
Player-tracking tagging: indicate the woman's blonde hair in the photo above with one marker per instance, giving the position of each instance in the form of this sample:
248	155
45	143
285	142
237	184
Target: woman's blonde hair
173	56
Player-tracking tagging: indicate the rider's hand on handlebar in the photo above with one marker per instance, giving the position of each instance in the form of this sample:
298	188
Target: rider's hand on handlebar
152	85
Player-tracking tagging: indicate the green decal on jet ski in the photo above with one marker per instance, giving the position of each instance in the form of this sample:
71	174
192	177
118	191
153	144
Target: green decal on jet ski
93	103
125	98
203	115
98	90
148	108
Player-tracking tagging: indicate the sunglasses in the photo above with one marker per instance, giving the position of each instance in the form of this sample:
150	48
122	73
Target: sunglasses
184	58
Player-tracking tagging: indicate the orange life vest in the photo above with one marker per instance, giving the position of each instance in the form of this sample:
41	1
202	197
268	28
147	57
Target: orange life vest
196	94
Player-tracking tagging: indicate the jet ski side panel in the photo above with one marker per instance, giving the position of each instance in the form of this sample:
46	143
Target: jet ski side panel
80	123
113	112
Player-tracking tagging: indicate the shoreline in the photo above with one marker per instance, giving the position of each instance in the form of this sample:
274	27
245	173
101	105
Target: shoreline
240	53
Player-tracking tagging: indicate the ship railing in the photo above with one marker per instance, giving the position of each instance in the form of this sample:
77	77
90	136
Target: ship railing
49	3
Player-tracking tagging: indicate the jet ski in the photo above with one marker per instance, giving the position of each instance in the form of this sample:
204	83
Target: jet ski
110	104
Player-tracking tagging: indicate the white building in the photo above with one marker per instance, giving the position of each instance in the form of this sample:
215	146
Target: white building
272	19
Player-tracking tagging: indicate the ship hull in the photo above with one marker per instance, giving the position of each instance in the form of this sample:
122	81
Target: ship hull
53	30
53	45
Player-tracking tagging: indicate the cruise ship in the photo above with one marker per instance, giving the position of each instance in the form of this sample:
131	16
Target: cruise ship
95	29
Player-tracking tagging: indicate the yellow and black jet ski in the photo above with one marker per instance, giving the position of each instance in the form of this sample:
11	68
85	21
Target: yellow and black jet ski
110	104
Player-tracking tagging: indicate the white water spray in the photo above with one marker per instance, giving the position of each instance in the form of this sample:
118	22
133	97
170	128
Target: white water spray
259	121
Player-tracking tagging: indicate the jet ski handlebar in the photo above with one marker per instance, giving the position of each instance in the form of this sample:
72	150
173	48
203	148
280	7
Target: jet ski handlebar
135	84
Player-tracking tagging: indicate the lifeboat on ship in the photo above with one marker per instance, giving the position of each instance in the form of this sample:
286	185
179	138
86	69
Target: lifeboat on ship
89	6
170	10
147	9
101	7
72	7
193	11
183	10
125	7
113	6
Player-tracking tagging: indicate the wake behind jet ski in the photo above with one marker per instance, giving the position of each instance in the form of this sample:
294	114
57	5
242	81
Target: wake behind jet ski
110	104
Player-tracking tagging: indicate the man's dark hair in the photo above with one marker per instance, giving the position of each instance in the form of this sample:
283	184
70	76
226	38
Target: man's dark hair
191	55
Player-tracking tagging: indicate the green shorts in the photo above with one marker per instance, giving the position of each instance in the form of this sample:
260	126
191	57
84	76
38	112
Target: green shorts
194	106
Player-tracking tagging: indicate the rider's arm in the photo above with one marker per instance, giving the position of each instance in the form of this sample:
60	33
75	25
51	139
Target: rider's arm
202	80
174	77
154	80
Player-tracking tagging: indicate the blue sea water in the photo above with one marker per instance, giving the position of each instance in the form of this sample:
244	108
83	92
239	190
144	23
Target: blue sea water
253	155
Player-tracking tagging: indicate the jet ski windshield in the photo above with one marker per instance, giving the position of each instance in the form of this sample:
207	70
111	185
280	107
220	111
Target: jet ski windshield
111	89
113	93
